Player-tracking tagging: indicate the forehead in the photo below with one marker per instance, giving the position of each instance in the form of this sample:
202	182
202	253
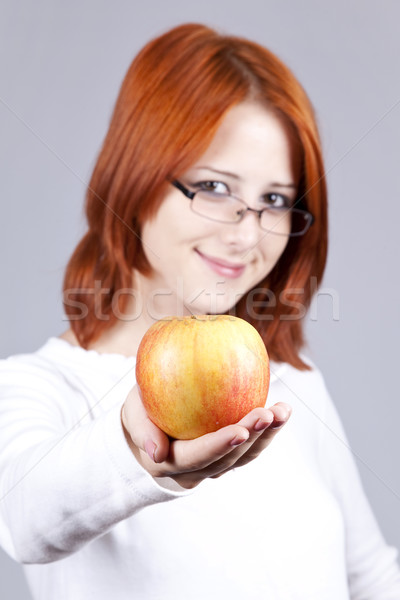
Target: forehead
251	141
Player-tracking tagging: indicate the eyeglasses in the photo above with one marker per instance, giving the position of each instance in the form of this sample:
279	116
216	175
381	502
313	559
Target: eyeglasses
226	208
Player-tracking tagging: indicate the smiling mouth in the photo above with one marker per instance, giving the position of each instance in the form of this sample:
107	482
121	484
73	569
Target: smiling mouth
222	267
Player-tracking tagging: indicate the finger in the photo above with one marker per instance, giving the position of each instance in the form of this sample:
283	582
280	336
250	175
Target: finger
144	433
219	451
282	412
257	443
263	432
261	418
257	419
199	453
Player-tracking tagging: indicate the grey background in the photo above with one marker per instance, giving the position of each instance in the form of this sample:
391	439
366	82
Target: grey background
61	64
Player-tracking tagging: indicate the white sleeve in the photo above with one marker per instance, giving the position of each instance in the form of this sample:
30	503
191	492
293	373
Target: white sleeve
60	487
372	566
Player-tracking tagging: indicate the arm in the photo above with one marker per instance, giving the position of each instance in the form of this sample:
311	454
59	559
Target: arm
372	568
62	486
189	462
64	482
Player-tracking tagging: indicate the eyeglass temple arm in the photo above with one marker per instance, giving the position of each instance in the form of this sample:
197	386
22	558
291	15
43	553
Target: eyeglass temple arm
183	189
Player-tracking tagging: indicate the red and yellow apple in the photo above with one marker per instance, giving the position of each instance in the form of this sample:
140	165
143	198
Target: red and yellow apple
199	373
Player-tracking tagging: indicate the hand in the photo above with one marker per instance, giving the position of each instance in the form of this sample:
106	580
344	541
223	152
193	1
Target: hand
189	462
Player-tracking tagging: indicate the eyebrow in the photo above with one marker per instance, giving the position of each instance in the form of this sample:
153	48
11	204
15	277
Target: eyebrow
284	185
226	173
237	177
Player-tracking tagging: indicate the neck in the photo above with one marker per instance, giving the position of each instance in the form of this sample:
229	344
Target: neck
143	309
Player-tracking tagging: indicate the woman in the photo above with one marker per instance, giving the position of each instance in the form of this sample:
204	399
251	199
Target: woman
208	197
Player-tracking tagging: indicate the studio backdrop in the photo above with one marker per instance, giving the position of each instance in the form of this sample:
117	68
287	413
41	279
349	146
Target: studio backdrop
61	65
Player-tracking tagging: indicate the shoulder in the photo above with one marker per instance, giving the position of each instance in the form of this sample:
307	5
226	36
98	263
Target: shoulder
304	390
41	387
38	365
314	422
53	369
309	381
64	375
33	390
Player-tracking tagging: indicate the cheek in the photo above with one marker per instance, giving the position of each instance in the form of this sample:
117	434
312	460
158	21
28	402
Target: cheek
273	248
155	245
282	247
170	229
159	233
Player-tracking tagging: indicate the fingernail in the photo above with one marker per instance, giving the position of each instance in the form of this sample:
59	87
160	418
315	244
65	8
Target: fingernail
151	448
278	424
238	440
261	425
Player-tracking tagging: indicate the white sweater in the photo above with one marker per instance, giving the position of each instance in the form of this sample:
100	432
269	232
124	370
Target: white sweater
89	523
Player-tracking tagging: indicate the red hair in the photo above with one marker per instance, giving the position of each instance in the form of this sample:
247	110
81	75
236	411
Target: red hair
170	105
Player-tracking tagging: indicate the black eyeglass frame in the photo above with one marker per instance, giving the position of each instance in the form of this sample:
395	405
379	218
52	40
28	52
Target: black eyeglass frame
190	195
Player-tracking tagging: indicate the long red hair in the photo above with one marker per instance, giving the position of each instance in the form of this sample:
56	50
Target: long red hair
171	103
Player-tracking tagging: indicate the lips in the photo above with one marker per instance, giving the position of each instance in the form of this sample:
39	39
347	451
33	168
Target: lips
222	267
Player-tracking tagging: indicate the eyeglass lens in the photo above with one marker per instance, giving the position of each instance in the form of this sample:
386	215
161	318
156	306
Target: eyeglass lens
227	209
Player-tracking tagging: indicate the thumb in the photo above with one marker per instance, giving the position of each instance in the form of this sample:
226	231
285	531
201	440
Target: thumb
142	432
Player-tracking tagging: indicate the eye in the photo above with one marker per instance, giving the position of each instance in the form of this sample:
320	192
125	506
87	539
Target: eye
275	200
214	187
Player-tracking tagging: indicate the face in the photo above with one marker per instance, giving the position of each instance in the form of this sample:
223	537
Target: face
202	266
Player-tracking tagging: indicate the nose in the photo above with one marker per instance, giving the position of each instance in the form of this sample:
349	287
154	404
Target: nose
244	234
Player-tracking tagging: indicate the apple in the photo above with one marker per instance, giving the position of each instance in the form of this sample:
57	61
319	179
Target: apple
199	373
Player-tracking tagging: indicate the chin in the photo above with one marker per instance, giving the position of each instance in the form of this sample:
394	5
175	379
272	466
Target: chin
214	304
